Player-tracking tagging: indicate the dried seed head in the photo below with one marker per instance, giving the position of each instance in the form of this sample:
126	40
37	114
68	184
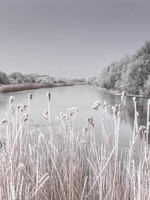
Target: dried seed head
115	109
25	106
120	106
22	108
135	106
105	104
96	105
21	166
85	129
77	109
19	105
30	96
45	115
25	117
142	131
89	121
49	96
45	112
12	99
3	121
123	97
134	99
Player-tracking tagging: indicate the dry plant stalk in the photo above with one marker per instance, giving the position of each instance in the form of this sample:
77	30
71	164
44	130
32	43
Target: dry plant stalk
58	164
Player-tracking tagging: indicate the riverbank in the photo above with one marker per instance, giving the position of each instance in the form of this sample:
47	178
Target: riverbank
28	86
118	93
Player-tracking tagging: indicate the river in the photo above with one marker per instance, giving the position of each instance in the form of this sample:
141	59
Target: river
82	97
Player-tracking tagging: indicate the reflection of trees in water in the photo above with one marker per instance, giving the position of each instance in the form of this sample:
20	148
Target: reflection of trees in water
142	110
128	110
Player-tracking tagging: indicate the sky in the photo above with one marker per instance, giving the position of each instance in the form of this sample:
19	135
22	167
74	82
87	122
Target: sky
70	38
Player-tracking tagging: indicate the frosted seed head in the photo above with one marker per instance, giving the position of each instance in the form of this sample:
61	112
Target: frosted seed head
12	99
63	116
134	99
77	109
120	106
45	112
105	104
19	105
96	105
124	93
25	106
25	117
123	97
3	121
21	166
85	129
22	108
142	131
30	96
113	108
116	106
49	96
45	115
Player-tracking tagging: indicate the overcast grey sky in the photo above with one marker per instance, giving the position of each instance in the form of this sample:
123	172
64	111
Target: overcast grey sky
70	38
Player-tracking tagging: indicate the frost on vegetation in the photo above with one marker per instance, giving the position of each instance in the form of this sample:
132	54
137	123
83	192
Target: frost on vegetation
63	164
123	97
96	105
3	121
30	96
48	96
45	115
11	99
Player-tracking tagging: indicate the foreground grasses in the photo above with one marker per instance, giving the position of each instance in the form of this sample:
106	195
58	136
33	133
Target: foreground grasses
55	163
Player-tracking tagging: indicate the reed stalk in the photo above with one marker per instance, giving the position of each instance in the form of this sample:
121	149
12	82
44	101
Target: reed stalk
57	163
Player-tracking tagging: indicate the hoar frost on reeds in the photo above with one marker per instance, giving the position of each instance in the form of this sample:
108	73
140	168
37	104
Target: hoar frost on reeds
56	163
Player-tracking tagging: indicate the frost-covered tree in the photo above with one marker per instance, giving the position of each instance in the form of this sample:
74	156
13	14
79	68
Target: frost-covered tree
44	80
17	77
134	79
4	79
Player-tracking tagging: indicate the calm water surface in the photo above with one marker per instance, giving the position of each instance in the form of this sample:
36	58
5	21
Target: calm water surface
82	97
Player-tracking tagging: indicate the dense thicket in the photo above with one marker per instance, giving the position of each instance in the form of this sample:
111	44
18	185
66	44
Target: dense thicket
132	73
17	78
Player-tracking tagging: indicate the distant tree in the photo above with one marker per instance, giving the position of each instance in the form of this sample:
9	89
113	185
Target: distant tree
61	80
111	76
92	80
33	77
4	79
107	78
137	74
44	80
17	76
145	49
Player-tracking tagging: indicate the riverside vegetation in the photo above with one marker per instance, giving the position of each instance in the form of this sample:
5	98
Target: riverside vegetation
131	73
55	163
17	81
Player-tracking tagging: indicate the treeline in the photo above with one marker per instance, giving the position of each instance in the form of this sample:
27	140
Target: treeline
132	73
18	78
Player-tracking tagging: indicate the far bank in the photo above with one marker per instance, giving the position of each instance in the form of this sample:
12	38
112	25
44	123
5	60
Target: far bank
28	86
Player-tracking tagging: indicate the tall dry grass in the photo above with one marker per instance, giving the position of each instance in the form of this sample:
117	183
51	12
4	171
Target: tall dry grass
22	86
58	164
